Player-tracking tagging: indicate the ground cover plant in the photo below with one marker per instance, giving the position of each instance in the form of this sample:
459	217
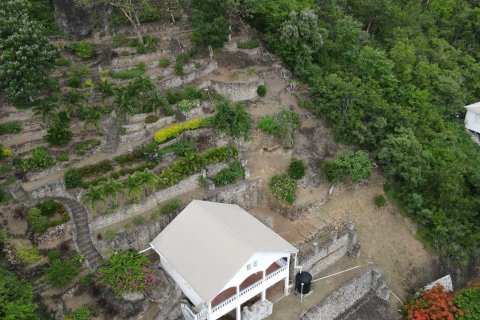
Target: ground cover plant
283	187
174	130
248	44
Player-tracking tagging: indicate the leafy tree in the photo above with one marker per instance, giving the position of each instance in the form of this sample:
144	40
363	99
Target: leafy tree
209	21
354	165
16	298
27	56
300	39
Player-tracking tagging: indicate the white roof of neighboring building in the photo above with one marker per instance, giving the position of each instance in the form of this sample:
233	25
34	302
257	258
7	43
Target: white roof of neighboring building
474	107
209	242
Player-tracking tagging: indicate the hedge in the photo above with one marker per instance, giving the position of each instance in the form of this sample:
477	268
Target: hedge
174	131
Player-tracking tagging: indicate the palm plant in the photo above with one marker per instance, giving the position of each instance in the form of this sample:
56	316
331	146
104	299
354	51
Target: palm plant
45	109
123	102
148	180
91	115
92	196
132	185
111	188
105	88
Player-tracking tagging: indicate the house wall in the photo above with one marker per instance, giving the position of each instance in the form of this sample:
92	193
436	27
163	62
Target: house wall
471	123
264	259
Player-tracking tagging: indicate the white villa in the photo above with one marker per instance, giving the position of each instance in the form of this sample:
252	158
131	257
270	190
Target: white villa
221	257
472	118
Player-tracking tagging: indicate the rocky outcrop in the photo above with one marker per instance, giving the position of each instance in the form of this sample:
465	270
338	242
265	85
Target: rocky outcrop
78	22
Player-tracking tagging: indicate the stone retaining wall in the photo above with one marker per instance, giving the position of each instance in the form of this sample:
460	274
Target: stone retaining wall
51	190
179	81
316	255
348	295
237	91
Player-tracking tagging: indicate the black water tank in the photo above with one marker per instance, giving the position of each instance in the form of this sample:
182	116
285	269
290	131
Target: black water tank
306	279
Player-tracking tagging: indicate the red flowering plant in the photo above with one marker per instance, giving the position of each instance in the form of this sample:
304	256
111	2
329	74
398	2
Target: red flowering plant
432	304
126	272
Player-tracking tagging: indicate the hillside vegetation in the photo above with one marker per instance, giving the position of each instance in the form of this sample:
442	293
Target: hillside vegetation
392	77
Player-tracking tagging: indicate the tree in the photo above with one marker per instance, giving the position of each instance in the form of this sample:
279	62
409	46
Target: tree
300	39
27	56
131	9
233	120
92	196
210	23
46	108
16	298
91	115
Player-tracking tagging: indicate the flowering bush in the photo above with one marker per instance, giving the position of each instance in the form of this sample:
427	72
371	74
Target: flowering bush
432	304
173	131
126	272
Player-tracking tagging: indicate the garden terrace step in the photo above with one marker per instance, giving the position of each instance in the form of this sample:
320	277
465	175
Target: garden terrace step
84	241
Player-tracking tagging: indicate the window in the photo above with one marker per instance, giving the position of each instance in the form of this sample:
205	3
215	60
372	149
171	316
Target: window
249	266
255	263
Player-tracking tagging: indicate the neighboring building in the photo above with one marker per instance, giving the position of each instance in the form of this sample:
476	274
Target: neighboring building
221	257
472	118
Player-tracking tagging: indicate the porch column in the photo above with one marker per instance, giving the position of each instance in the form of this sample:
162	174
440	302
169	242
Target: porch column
238	310
264	292
285	289
209	310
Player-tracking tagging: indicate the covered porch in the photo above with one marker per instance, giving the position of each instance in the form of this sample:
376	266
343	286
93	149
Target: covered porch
233	297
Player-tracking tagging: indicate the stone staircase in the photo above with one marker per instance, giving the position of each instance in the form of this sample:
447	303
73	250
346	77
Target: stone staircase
113	137
84	242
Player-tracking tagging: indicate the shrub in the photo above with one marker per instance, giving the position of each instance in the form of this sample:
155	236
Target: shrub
53	254
151	118
354	165
62	62
149	44
64	157
74	81
181	148
60	272
58	134
283	187
26	253
192	93
171	206
186	105
5	168
178	69
287	122
37	221
97	168
5	152
173	97
40	159
468	301
139	220
202	182
86	145
50	207
164	62
380	201
233	120
261	90
82	313
72	178
126	272
296	169
231	174
267	124
174	131
10	127
435	303
82	49
248	44
17	298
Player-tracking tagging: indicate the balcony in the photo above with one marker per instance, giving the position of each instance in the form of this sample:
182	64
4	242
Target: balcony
250	287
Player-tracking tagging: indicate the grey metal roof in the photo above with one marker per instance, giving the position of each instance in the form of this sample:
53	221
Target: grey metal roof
209	242
474	107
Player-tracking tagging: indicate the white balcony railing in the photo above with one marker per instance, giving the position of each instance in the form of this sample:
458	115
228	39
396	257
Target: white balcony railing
229	304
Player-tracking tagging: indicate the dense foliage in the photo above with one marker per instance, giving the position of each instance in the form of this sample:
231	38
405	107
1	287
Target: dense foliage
230	174
209	21
10	127
233	120
354	166
296	169
27	56
393	77
126	272
283	125
174	130
16	298
468	301
61	271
